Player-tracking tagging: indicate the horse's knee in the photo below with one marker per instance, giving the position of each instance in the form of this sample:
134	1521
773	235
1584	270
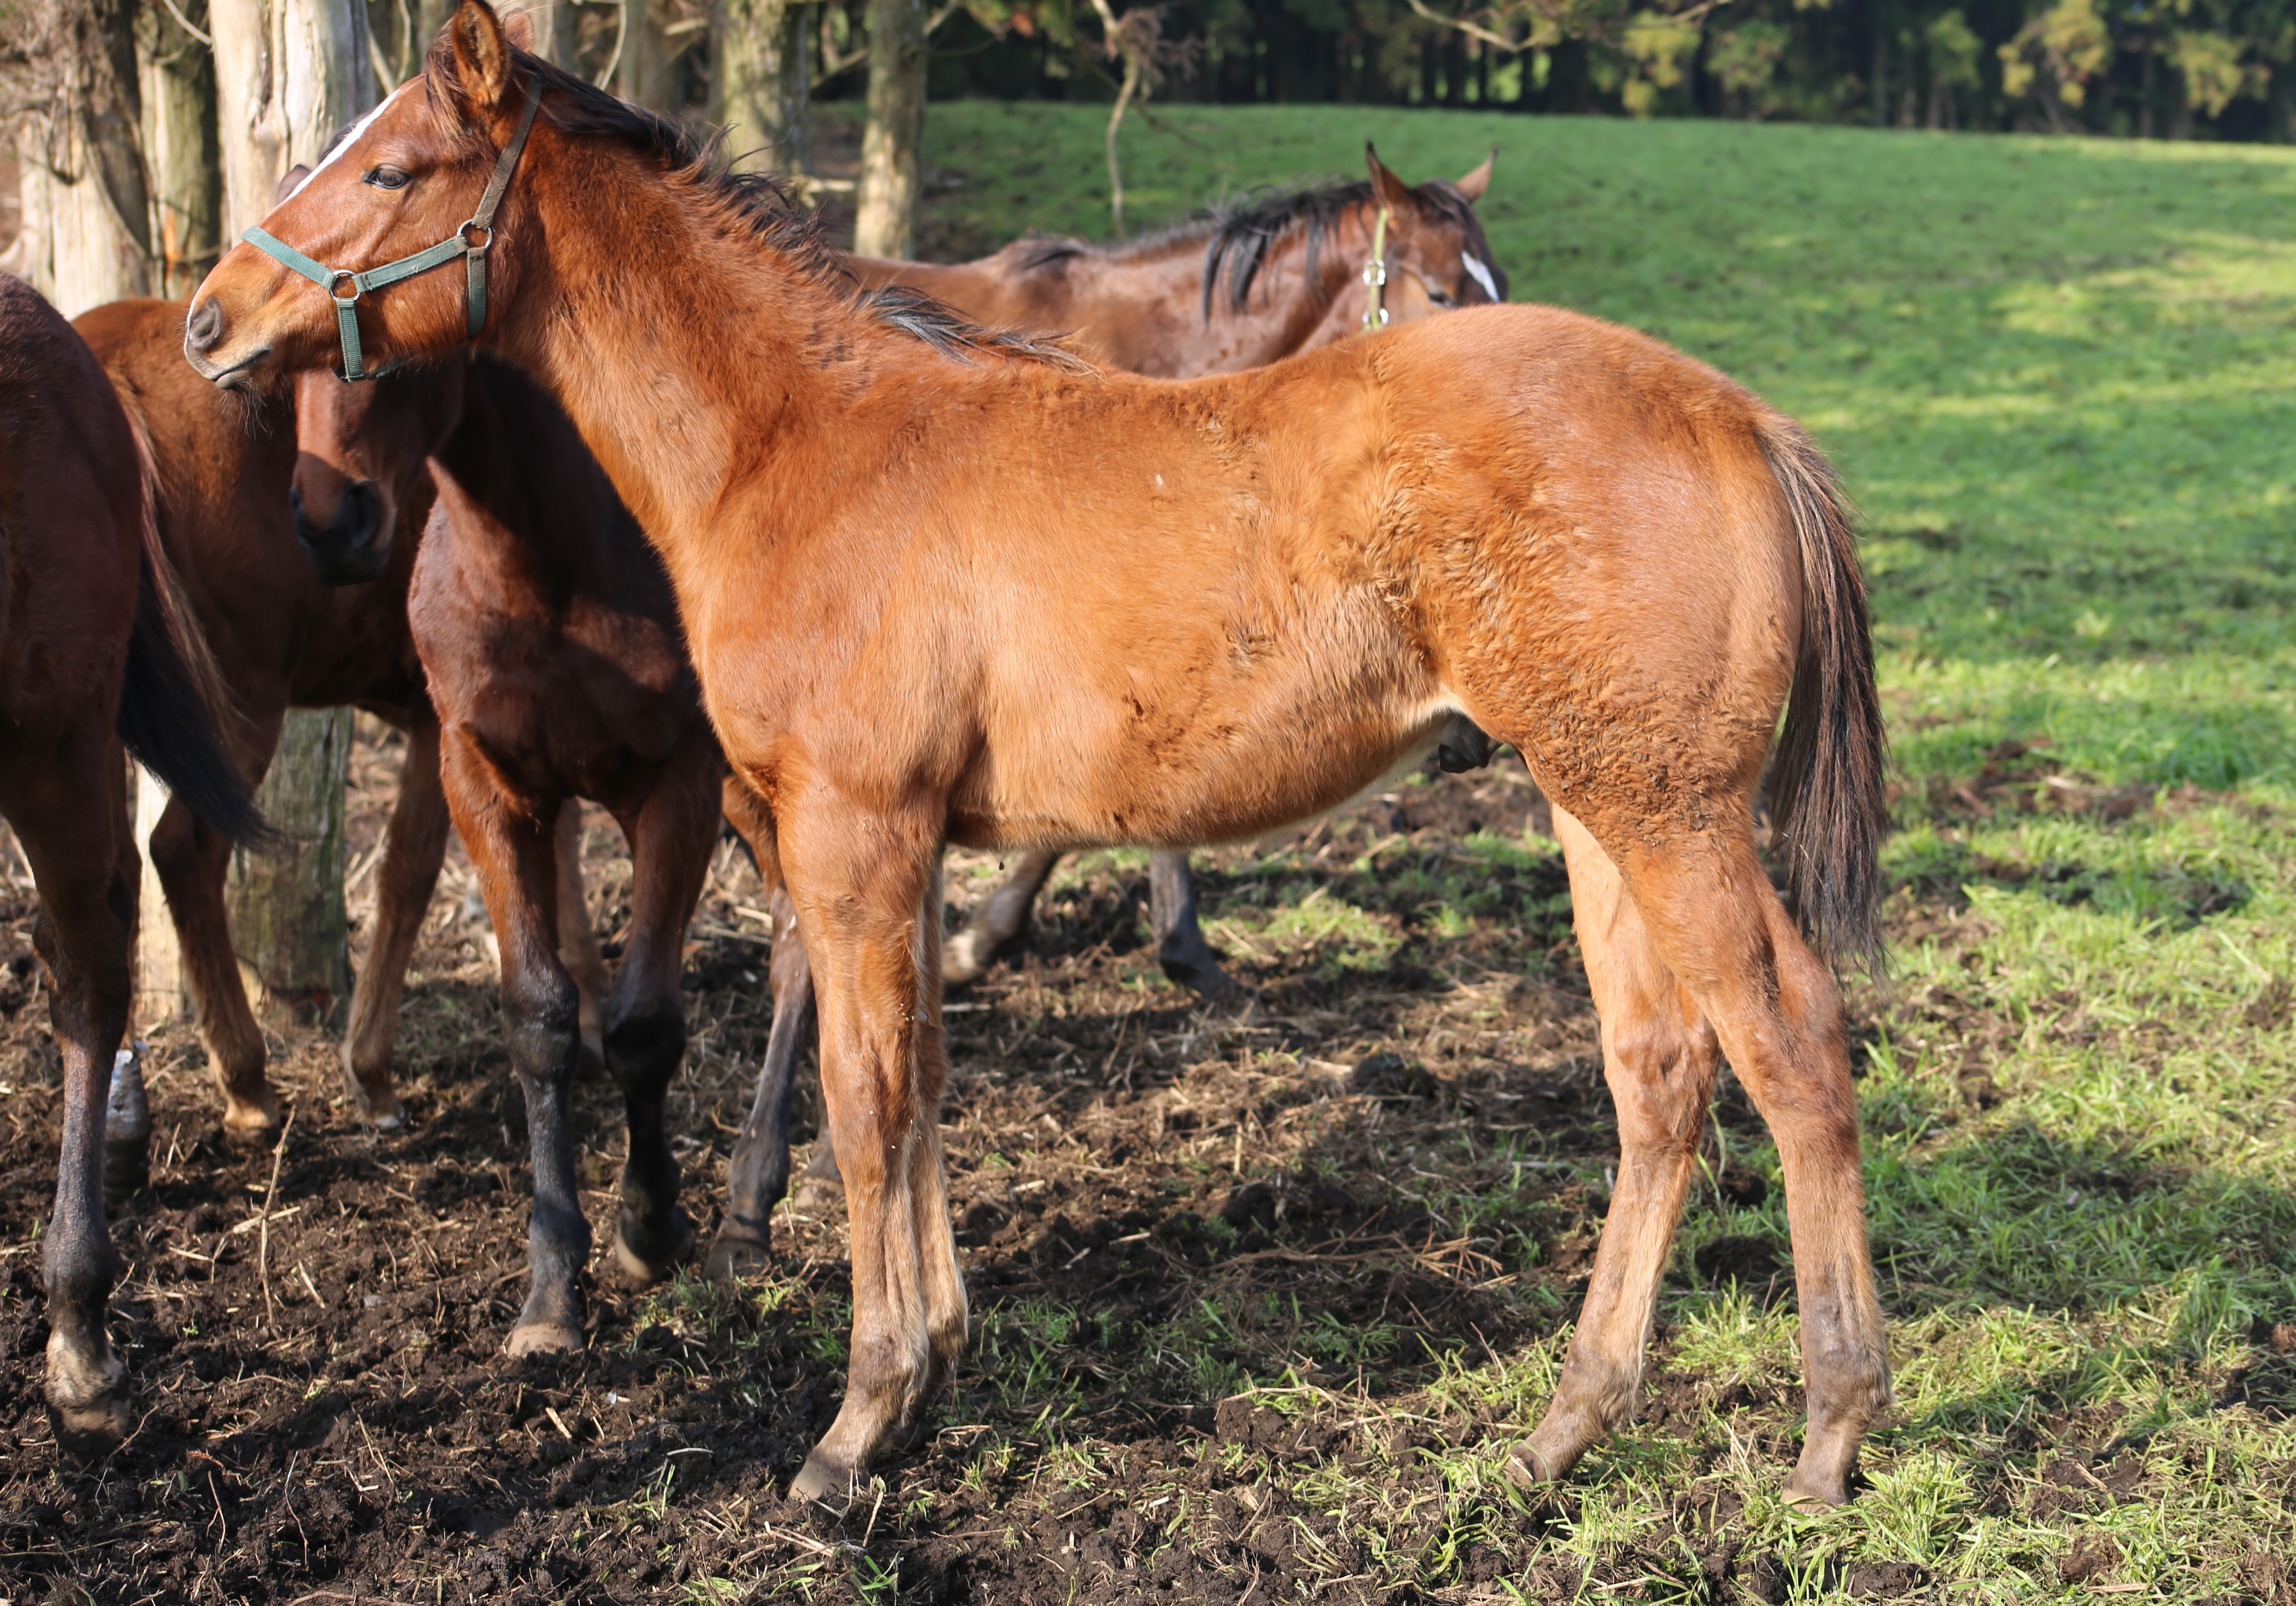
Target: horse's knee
542	1021
644	1047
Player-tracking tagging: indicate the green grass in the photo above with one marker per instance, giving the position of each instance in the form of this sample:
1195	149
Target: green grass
2057	378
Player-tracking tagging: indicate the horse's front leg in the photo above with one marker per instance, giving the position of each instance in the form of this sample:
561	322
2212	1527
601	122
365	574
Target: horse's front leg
867	889
671	837
578	938
508	834
413	847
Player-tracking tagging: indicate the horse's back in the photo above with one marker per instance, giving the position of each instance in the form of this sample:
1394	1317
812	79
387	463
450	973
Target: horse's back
70	513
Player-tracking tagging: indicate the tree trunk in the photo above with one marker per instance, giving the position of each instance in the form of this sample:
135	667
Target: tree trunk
646	70
762	63
885	218
184	166
289	73
83	172
286	901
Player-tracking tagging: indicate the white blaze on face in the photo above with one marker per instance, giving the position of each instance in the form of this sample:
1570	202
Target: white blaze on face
358	130
1480	274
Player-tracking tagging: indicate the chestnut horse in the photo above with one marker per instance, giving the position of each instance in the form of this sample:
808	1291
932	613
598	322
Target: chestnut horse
94	650
234	501
946	584
1238	289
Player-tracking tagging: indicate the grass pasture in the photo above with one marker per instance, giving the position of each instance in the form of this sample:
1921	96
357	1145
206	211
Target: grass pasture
1260	1298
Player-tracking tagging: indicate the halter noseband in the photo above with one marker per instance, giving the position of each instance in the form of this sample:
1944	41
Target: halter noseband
471	242
1375	272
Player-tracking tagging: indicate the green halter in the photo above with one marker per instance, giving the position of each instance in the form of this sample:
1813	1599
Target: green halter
471	243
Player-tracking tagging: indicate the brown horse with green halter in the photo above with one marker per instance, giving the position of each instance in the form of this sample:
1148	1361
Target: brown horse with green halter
941	584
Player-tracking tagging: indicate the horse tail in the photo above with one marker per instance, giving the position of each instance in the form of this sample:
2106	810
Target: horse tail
1828	805
174	692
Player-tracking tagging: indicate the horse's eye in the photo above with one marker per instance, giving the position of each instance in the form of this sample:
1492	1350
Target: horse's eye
1440	297
386	178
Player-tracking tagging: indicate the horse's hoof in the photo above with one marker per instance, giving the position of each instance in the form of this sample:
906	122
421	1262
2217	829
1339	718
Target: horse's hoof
383	1112
824	1482
126	1171
816	1198
543	1337
739	1251
645	1264
1812	1489
1526	1468
965	959
248	1121
87	1400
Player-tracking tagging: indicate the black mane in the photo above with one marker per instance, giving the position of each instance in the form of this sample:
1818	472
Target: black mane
1237	237
756	203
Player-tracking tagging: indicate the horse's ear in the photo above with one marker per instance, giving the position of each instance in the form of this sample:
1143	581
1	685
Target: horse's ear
290	182
1385	185
481	54
518	28
1475	183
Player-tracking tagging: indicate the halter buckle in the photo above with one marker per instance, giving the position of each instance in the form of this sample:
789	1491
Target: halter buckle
1375	272
483	243
337	280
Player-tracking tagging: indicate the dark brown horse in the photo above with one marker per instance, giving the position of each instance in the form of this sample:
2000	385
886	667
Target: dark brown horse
93	653
1239	288
941	584
234	501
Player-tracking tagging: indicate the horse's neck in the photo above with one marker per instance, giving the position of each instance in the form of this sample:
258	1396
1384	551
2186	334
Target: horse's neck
1298	299
660	368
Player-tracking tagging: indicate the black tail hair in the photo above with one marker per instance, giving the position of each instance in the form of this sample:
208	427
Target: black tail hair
1827	796
165	724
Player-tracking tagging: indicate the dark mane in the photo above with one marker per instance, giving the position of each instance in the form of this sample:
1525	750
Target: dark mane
1241	235
756	204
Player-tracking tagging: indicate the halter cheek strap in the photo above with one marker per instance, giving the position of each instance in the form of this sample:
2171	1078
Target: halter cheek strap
471	243
1375	272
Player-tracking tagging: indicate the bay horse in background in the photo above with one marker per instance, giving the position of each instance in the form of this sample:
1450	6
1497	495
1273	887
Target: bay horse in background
549	636
941	584
234	502
1237	288
95	651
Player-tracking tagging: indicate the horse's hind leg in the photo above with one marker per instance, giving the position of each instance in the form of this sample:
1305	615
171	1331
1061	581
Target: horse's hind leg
1659	1056
758	1174
671	839
1180	946
508	836
192	862
871	921
968	955
1715	922
413	847
578	938
87	909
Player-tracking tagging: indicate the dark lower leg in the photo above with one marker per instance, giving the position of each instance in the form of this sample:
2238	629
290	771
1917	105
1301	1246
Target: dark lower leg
671	839
413	848
998	922
578	938
87	911
760	1167
1180	946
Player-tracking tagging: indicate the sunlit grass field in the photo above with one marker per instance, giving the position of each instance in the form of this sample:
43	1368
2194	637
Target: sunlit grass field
2060	379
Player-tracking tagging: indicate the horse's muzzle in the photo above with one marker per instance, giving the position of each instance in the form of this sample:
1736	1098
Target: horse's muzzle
352	549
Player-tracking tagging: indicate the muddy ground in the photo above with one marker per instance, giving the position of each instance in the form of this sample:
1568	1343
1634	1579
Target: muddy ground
1215	1256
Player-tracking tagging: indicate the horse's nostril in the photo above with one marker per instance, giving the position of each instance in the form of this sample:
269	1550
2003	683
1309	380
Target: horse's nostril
361	515
205	327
